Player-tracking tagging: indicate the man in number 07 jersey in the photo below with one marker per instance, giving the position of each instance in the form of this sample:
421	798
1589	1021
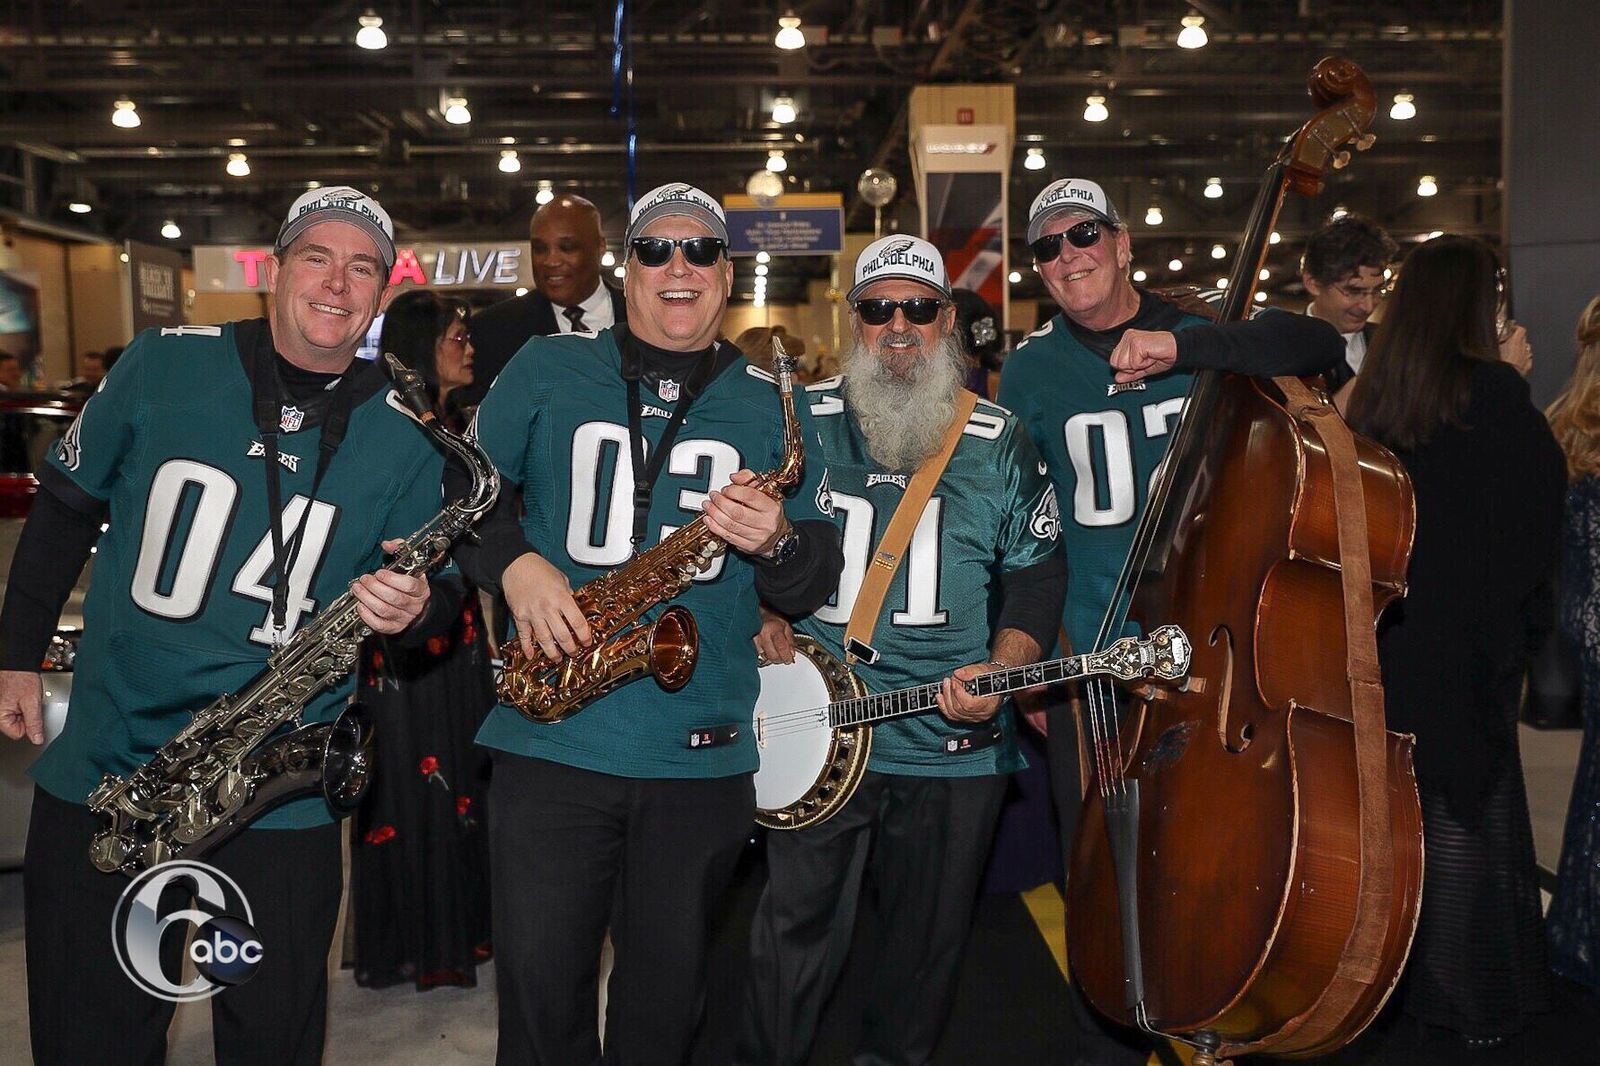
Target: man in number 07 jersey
1100	387
979	588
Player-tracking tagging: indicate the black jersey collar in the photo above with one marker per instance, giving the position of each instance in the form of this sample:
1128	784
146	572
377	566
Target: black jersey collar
1154	314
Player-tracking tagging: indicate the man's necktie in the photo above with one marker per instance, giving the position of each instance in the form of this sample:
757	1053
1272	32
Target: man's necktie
575	316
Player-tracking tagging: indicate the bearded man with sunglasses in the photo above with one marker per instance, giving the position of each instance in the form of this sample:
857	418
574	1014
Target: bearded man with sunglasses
1100	387
985	547
631	813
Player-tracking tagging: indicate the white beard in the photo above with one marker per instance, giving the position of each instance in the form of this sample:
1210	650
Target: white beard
903	420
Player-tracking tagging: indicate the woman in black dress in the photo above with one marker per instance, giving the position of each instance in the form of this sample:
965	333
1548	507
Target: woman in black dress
1574	919
419	854
1446	395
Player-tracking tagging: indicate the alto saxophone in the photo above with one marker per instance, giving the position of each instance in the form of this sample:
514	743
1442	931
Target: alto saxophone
231	765
545	690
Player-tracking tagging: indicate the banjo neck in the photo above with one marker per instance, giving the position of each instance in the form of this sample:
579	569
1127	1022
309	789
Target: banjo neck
1163	654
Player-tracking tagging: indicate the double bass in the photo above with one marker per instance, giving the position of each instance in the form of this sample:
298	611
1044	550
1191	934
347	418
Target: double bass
1248	865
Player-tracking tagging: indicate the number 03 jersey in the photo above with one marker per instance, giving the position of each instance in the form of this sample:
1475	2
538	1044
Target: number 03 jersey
993	511
178	608
1102	448
555	422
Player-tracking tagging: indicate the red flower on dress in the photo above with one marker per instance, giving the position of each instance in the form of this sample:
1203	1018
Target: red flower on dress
463	804
428	765
381	835
467	615
438	645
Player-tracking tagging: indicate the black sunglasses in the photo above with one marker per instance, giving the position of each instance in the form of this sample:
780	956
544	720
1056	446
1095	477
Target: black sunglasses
698	251
919	310
1085	234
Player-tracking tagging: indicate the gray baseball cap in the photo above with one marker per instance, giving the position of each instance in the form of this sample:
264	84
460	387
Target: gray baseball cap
1070	194
677	198
340	203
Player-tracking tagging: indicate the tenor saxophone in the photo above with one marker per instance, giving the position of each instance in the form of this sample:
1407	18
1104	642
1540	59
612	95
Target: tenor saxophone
232	764
624	649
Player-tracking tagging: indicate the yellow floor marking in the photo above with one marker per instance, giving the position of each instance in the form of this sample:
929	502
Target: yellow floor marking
1049	914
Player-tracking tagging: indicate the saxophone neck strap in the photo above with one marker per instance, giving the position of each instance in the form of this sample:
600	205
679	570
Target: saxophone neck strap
645	474
891	549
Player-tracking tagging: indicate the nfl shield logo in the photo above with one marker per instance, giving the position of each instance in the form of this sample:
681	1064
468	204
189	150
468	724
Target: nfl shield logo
668	389
291	419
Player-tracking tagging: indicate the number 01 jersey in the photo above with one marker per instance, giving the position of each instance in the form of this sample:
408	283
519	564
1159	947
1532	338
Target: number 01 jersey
1102	448
178	609
993	511
555	422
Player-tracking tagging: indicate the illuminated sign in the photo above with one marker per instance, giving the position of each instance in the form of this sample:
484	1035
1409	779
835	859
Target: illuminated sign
234	268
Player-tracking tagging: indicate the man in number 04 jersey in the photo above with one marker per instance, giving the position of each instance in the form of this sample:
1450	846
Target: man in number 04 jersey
175	452
980	587
1100	387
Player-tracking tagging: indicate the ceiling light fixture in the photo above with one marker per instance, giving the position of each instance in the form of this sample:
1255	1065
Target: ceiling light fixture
125	114
1175	264
1427	186
783	111
1034	160
456	111
1222	283
1265	275
1015	277
509	163
1154	217
371	36
609	259
170	230
763	257
620	272
789	36
761	270
776	163
1139	275
546	193
1218	252
1404	107
1275	237
238	165
1094	108
78	207
1193	34
1213	188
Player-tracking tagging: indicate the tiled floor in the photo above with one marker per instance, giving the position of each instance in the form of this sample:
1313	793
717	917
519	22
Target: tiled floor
448	1026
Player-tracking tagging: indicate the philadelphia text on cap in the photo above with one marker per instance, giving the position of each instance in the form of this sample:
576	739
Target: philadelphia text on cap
897	255
358	204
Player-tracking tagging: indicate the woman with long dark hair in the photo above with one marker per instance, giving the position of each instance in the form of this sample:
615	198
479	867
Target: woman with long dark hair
1574	919
1441	390
419	854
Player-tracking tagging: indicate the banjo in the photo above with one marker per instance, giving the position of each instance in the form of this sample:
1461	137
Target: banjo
813	715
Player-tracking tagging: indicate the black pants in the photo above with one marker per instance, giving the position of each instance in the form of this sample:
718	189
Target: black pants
83	1009
925	839
573	852
1099	1043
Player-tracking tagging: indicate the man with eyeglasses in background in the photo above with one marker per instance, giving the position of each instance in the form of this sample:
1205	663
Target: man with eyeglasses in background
1100	387
1342	269
985	551
630	814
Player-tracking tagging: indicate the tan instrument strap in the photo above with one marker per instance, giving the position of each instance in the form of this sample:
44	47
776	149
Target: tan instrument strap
1359	962
892	548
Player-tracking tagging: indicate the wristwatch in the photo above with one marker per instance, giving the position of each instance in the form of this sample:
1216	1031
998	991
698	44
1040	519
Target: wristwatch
785	547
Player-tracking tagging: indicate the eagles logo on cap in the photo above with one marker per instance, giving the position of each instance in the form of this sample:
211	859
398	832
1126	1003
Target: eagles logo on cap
910	258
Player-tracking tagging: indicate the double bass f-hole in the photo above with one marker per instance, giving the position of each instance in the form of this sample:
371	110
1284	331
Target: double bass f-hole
1224	636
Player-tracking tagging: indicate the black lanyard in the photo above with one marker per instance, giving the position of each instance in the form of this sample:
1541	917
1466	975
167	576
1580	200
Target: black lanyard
269	417
644	476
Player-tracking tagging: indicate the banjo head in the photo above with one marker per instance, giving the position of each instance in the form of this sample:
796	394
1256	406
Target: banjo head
808	769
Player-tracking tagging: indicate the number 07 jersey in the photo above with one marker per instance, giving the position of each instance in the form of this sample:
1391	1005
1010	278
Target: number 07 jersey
992	511
178	608
1102	448
555	422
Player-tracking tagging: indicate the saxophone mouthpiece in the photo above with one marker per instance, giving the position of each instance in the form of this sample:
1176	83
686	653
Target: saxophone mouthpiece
410	387
782	365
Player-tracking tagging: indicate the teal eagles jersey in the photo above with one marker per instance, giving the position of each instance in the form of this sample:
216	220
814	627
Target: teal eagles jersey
555	422
993	510
1102	450
178	609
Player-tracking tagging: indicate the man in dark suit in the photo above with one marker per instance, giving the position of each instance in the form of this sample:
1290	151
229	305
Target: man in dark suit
1342	269
568	295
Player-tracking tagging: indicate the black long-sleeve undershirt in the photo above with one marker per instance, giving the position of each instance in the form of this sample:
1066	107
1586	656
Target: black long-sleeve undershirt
51	553
1032	598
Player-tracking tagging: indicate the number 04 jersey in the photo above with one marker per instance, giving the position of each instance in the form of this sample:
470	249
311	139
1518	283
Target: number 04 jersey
993	511
178	609
555	422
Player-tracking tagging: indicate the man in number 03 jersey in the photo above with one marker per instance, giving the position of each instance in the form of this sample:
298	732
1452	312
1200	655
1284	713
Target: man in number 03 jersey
980	587
631	813
1100	387
175	453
